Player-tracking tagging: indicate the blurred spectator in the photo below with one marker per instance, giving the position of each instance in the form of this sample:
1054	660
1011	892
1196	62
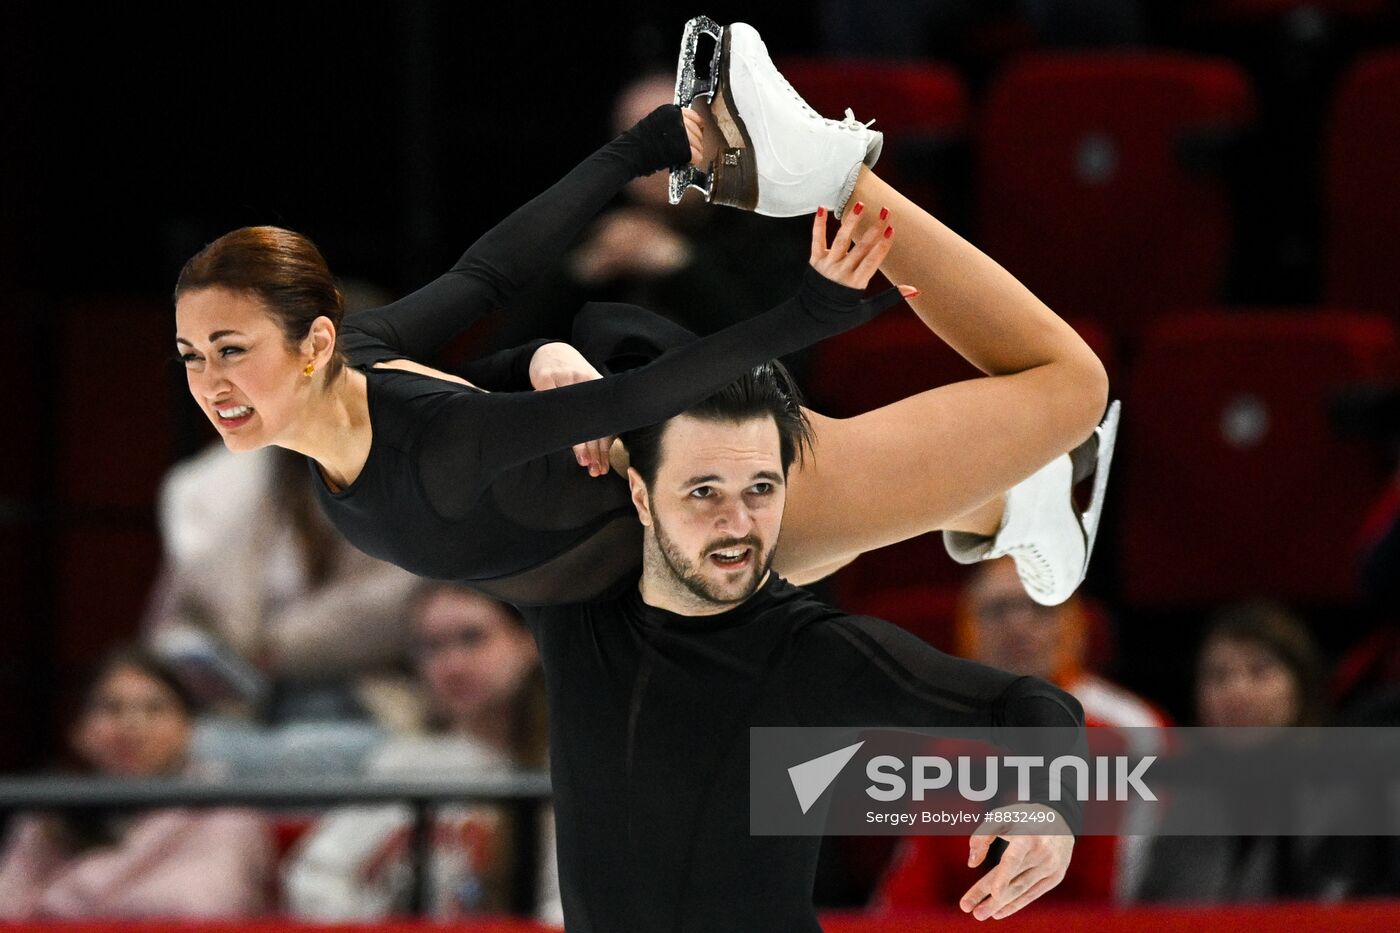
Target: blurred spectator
216	863
479	665
1258	666
998	624
268	612
704	267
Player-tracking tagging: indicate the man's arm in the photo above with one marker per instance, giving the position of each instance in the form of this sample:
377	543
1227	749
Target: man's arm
860	671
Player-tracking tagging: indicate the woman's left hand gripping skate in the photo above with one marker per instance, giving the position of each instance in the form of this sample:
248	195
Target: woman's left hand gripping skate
558	364
695	133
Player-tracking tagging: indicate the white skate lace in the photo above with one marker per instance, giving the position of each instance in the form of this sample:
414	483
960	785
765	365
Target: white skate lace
850	123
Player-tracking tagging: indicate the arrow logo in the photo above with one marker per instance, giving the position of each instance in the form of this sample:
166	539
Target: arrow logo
811	778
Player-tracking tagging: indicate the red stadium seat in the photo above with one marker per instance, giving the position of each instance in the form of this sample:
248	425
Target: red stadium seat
893	357
1095	187
1234	484
919	106
1363	187
906	97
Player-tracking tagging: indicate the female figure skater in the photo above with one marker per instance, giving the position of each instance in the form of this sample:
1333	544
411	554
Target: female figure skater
429	472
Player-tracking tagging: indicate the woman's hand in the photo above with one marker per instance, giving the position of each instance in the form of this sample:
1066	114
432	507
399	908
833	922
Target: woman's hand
853	262
695	131
558	364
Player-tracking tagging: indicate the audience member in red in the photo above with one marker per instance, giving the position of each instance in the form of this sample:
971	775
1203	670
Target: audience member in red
216	863
998	624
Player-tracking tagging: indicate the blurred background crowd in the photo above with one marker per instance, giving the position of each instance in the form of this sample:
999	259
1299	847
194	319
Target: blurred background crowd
1208	190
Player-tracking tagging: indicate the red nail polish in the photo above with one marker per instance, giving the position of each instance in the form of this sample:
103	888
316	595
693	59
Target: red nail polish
821	212
889	232
858	208
913	294
884	212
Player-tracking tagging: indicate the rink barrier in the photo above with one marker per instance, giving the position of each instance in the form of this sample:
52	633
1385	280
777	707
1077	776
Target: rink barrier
520	792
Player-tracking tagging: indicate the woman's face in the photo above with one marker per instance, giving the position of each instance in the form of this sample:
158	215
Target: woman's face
473	656
134	726
246	379
1242	683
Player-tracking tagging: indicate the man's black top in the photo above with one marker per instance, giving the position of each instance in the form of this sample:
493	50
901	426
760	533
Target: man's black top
649	720
481	488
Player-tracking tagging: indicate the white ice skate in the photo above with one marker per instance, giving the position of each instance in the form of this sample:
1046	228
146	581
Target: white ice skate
781	158
1042	529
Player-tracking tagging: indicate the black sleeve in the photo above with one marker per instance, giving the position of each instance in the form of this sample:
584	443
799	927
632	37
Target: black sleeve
526	243
510	429
612	337
503	371
859	671
618	337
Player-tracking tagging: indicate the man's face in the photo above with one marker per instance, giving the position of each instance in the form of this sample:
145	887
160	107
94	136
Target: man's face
713	513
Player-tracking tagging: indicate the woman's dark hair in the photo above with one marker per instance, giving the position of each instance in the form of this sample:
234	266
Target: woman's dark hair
282	268
148	663
1279	632
767	391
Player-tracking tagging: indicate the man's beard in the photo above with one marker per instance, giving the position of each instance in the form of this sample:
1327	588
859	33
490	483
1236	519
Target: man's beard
688	574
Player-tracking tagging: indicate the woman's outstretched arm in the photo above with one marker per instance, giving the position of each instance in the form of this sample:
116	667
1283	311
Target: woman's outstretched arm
530	240
513	428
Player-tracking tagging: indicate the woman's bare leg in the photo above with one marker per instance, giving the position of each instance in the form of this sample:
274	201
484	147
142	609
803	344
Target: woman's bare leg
943	458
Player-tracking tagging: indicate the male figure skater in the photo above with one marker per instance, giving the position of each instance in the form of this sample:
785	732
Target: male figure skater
653	691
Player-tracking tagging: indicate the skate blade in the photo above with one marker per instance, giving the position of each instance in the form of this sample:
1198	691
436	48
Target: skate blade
690	86
1107	433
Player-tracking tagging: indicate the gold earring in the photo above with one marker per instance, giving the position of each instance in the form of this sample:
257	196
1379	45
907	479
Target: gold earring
310	368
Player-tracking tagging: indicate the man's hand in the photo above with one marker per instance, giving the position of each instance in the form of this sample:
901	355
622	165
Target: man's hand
558	364
1030	866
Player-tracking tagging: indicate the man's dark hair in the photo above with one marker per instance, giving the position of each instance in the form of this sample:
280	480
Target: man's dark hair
765	391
